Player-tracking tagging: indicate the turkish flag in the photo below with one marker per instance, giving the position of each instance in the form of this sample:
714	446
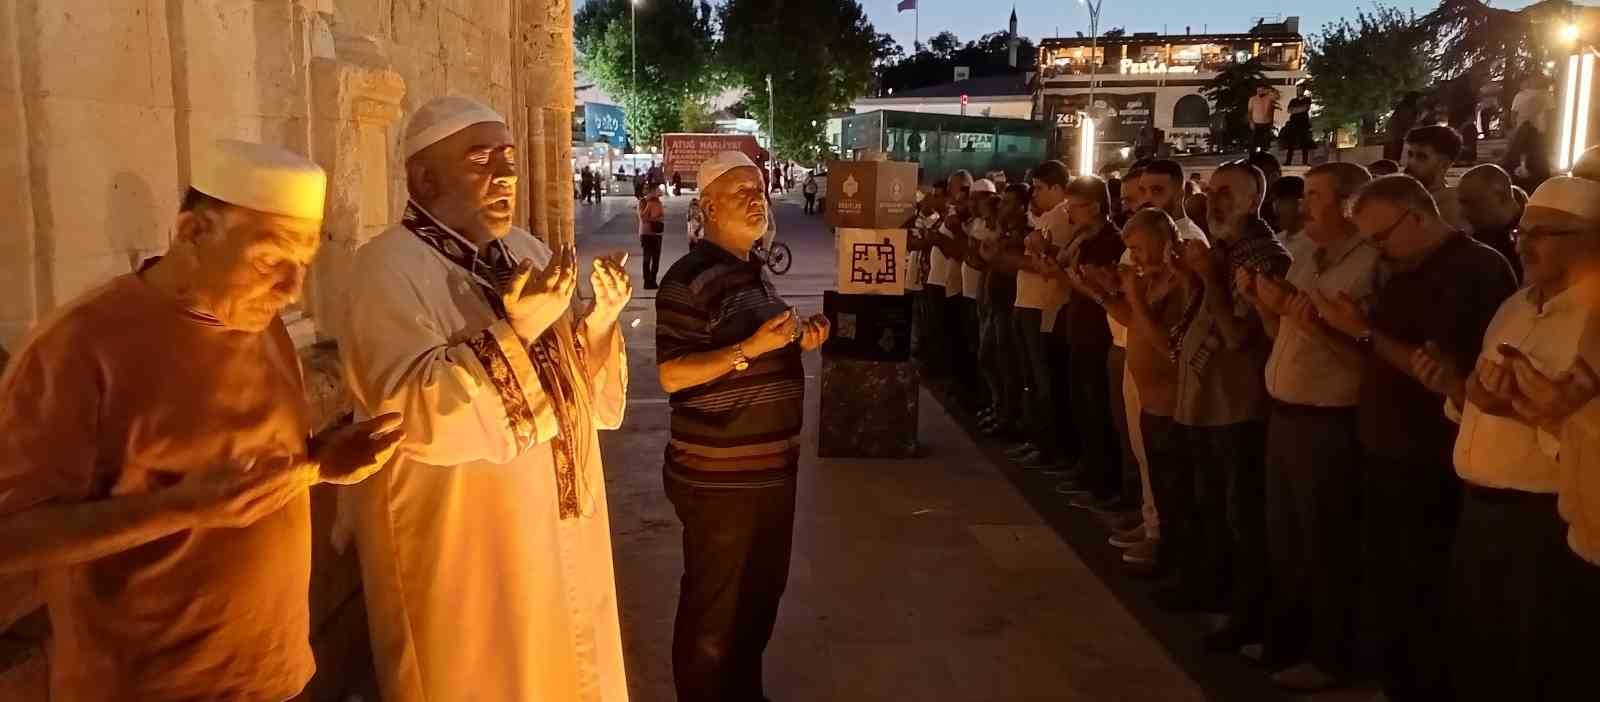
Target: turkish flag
906	5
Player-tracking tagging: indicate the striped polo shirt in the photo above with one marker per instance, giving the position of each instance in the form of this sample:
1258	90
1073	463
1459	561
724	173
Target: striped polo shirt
742	428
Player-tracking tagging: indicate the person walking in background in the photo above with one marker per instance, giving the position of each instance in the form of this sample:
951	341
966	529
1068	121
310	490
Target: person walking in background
695	223
652	225
1263	113
1400	122
1530	114
809	190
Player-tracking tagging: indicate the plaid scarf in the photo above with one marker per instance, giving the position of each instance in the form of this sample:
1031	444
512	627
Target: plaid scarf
554	354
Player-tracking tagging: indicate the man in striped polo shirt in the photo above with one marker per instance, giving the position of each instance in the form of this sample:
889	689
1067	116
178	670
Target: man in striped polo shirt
728	349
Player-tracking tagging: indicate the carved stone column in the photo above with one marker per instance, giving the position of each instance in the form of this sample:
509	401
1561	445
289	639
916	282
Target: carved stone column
542	49
353	108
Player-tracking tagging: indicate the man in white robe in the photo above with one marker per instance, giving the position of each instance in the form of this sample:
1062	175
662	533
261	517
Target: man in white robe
486	553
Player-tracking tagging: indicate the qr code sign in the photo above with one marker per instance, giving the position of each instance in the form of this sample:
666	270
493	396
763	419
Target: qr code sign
874	263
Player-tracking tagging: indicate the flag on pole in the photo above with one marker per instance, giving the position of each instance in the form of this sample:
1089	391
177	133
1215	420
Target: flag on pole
906	5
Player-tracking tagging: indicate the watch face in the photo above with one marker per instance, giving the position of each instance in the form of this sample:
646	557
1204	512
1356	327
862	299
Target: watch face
741	365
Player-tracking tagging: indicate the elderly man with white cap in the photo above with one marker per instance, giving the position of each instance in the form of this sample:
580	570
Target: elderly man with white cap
1509	605
729	351
154	458
486	550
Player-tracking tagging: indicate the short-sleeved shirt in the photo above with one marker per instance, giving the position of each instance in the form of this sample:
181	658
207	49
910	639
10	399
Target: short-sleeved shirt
743	427
1155	374
972	279
124	392
1084	321
1304	369
1219	386
1187	230
1448	299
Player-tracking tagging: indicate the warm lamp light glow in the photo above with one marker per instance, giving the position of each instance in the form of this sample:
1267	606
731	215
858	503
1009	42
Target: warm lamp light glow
1086	145
1568	33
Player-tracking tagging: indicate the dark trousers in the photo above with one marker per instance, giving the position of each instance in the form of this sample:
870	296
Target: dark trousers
1172	482
1260	137
970	385
1408	524
1573	618
811	203
937	357
1288	155
1313	477
1528	147
1228	521
1039	406
1508	552
1090	390
1132	489
736	544
651	243
997	356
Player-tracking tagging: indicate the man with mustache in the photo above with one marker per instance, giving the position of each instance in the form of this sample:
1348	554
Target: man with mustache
729	349
486	550
155	453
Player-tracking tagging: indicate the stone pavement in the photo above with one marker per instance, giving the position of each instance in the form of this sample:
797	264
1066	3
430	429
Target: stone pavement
929	579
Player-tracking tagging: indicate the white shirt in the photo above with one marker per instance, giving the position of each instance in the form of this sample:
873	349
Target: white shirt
1303	369
1579	500
1503	452
972	278
1187	229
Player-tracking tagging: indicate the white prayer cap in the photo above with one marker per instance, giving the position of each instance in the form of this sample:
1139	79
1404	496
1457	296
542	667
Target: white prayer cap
442	116
260	177
720	163
1575	196
983	185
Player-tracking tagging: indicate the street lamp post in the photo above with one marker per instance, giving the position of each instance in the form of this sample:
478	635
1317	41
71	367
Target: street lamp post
772	124
633	48
1086	126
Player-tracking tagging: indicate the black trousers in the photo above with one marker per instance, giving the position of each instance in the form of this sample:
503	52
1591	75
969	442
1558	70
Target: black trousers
1228	521
1261	137
1313	480
1100	457
1172	479
811	203
1409	513
1039	403
937	357
1529	148
970	384
997	355
1573	618
1504	578
651	243
736	544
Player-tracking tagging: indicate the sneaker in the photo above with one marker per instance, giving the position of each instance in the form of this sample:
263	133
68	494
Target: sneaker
1028	460
1121	521
1304	677
1142	553
1094	504
1128	538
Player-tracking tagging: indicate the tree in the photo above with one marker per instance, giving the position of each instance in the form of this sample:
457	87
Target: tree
935	64
1229	92
819	53
1357	69
1495	44
674	52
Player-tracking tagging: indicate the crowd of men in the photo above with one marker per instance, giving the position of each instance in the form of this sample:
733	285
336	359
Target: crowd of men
1350	415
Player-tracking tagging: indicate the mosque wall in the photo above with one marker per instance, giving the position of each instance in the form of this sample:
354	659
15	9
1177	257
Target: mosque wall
103	101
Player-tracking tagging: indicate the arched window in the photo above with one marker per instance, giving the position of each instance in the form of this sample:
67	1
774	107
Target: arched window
1191	111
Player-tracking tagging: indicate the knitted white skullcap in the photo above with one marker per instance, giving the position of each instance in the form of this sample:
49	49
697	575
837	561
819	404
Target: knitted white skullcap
720	163
983	185
1575	196
260	177
442	116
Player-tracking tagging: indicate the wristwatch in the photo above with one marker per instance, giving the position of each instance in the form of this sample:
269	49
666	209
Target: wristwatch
740	362
1365	338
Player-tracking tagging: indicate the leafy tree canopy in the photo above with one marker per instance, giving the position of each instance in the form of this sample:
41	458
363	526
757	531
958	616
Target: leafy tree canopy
1359	68
1229	92
819	53
674	50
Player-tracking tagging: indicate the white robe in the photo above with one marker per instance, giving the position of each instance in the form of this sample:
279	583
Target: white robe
475	588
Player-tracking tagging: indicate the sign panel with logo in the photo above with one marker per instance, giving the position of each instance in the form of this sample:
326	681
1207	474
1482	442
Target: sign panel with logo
685	152
1121	116
872	261
871	194
604	124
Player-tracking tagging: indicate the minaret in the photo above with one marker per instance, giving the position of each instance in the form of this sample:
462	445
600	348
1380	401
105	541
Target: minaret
1013	41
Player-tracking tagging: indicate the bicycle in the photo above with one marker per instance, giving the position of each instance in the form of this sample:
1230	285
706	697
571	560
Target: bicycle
776	257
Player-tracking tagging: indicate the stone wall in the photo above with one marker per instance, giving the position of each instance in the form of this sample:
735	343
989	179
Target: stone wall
103	101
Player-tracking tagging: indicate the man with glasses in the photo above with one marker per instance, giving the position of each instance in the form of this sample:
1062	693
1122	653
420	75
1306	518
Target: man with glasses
1511	537
1443	289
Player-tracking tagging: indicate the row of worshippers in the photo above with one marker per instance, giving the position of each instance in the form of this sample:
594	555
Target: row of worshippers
158	446
1356	438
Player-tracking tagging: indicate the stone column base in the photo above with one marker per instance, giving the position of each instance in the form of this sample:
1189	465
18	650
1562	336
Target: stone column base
869	409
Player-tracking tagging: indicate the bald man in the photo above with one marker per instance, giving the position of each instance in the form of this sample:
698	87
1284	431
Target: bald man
1489	204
